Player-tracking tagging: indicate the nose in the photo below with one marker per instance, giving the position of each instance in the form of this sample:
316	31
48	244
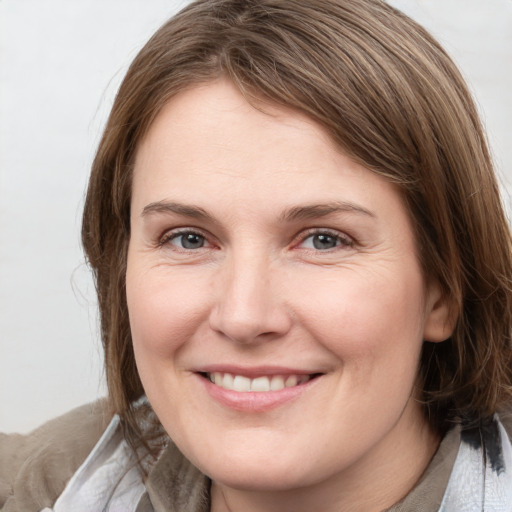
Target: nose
249	306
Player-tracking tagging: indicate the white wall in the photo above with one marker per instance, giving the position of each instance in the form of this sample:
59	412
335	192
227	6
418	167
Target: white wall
60	65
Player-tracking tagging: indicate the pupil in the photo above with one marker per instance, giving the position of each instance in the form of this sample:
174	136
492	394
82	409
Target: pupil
324	242
192	241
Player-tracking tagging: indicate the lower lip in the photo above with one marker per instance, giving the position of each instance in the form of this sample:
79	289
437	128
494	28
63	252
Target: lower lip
255	401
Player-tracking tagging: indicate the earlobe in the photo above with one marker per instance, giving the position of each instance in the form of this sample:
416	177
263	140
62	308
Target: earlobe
441	315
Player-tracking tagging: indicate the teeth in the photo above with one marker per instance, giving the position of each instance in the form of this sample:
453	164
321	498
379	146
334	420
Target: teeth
291	381
277	383
241	383
227	381
260	384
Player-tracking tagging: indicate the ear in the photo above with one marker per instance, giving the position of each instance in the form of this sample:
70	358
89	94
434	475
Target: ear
440	315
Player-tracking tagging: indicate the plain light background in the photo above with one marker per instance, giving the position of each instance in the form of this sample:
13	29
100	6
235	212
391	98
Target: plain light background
60	65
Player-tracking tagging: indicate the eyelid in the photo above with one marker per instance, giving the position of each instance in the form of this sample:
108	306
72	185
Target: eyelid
170	234
346	240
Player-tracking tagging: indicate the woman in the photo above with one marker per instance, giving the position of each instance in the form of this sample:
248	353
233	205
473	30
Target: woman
304	277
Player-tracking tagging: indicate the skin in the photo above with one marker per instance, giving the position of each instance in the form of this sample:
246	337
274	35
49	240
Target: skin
259	292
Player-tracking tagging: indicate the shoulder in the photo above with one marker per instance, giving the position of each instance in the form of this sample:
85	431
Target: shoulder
506	419
35	468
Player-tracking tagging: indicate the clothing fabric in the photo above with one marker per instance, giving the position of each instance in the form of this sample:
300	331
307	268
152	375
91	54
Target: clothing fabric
92	468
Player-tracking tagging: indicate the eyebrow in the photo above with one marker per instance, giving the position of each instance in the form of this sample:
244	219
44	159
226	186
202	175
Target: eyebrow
322	210
292	214
181	209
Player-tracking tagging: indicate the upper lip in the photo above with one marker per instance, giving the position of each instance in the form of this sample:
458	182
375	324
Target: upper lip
255	371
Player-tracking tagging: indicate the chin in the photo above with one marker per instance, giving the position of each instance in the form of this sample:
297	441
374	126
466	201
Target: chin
261	470
269	478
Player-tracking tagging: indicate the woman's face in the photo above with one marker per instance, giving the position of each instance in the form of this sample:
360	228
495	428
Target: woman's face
264	259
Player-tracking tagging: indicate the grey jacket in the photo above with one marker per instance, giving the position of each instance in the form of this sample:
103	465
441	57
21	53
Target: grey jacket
81	462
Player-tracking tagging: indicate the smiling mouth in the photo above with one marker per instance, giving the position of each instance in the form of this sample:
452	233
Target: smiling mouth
264	384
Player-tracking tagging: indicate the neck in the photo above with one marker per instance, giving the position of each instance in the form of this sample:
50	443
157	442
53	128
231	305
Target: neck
372	484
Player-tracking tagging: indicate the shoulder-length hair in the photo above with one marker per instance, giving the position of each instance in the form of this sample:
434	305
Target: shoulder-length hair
392	99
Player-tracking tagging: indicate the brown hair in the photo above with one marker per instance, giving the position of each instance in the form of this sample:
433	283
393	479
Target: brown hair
394	101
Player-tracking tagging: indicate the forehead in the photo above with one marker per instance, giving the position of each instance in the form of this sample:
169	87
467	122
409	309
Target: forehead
216	116
209	146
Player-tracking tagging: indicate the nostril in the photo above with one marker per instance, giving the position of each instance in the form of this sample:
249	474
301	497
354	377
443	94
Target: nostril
247	306
244	325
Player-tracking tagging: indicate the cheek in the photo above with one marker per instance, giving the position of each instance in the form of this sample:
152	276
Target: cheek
365	319
375	332
164	312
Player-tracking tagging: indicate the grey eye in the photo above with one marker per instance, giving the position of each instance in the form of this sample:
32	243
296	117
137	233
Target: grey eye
321	241
324	241
189	241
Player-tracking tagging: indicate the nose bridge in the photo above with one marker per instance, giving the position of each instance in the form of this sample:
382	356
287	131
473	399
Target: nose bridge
248	307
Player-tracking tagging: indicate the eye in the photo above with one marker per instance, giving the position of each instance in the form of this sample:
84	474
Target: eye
187	240
324	241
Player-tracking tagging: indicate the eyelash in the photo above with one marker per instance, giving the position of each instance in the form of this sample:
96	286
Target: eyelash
174	234
343	240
